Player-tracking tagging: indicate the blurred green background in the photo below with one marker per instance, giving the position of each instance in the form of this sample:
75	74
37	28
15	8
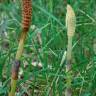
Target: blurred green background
44	47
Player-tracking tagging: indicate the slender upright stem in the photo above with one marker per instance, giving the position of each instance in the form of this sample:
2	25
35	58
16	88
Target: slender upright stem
68	91
20	46
26	20
13	83
69	52
15	67
70	24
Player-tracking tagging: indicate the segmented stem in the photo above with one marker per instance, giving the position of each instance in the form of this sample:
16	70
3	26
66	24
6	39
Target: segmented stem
70	24
26	20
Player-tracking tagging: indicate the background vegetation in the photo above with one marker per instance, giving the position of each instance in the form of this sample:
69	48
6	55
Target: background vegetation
40	72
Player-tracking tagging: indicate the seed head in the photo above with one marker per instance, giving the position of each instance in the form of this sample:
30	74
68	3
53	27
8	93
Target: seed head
70	21
26	14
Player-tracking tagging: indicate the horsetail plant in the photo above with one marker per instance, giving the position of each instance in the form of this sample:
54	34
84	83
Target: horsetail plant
26	20
70	24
